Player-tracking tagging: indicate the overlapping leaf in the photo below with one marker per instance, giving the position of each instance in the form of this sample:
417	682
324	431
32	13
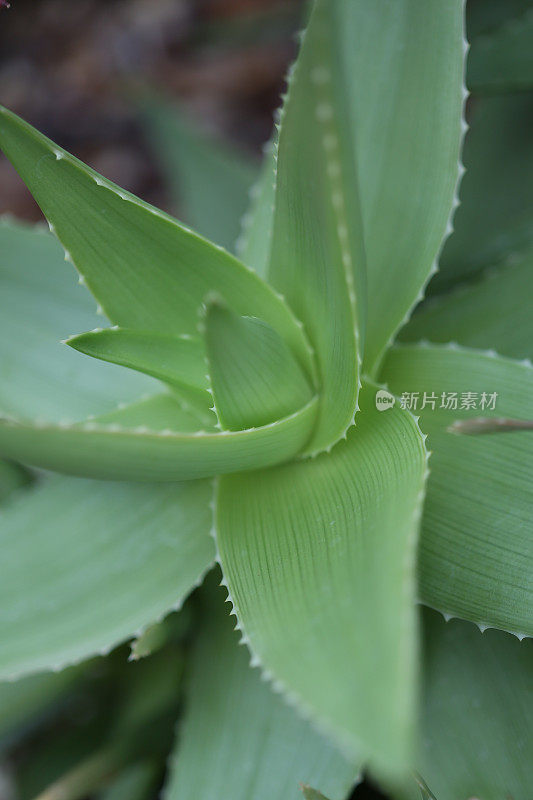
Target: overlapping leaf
476	551
494	218
154	440
176	360
41	305
97	562
317	256
239	739
147	271
404	60
489	314
319	560
255	239
478	705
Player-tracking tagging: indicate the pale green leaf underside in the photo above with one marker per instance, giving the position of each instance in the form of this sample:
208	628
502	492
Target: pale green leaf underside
96	562
494	218
477	736
254	376
40	304
319	559
209	179
476	551
146	270
238	739
154	440
502	60
405	59
317	256
176	360
491	313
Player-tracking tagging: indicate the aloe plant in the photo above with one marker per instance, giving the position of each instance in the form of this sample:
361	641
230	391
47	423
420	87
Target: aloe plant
260	410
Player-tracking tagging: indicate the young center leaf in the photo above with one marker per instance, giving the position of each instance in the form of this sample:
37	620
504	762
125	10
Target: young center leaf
146	270
254	376
102	561
177	360
317	257
476	551
319	559
238	738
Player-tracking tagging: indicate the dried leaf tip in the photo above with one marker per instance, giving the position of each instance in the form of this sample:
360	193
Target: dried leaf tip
480	425
311	794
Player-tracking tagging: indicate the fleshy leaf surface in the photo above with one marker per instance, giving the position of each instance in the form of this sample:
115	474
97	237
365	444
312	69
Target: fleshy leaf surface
405	62
41	304
255	239
254	376
98	562
209	179
240	740
146	270
319	558
494	217
153	440
176	360
489	314
477	735
476	550
317	258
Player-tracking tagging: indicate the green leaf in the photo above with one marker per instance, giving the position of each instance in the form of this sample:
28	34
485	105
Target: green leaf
317	256
404	60
97	562
209	178
476	551
485	16
494	217
147	271
26	702
238	739
136	782
12	477
254	376
319	560
177	360
490	313
255	239
40	304
502	60
153	440
476	740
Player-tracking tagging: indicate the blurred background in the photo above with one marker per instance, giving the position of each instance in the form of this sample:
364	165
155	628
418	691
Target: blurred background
103	78
72	70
